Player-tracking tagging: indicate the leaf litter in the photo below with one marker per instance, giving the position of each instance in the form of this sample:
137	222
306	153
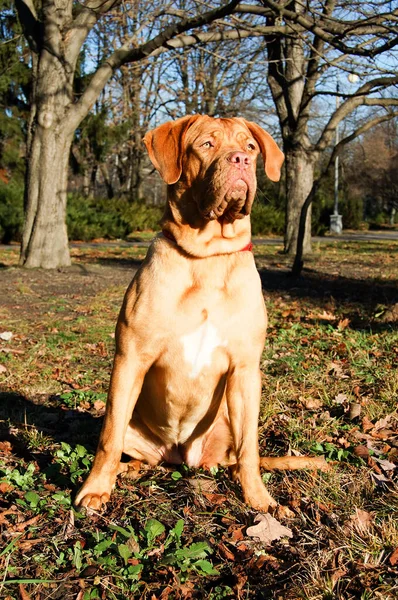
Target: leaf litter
327	348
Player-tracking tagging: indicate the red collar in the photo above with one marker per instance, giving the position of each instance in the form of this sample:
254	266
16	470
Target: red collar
170	236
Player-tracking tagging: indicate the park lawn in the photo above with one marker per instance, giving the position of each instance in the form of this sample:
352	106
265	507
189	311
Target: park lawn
330	387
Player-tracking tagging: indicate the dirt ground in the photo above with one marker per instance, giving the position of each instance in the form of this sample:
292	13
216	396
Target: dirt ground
332	347
344	276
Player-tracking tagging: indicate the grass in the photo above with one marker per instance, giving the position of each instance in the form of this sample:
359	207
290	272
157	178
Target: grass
332	349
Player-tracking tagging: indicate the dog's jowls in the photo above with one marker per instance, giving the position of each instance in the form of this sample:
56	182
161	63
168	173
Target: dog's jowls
185	384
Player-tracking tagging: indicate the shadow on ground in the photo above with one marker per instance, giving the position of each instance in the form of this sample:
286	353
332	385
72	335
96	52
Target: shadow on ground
360	297
18	415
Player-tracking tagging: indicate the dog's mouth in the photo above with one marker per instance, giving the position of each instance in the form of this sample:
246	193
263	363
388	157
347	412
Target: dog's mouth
233	205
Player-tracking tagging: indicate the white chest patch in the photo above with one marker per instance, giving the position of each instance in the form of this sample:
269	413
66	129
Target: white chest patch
199	347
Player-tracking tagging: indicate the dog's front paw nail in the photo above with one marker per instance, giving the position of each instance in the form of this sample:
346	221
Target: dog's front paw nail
93	501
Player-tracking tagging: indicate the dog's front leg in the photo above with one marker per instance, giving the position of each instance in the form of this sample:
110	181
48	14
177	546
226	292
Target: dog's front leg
126	382
243	400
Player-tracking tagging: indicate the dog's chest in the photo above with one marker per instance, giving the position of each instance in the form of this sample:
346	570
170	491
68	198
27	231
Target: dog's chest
199	345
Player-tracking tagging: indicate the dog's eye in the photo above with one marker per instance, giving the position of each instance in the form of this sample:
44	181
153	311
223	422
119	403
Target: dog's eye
207	145
251	146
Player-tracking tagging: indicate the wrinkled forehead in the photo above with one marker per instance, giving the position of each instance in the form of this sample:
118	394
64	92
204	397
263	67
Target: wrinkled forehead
224	130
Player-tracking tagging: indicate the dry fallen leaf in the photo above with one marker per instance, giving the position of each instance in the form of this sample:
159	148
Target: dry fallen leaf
367	425
237	534
25	524
355	410
383	423
201	485
337	574
380	480
382	434
5	447
23	594
268	529
225	552
326	316
69	527
3	515
340	398
215	499
336	369
27	545
343	324
6	336
386	465
311	403
361	521
361	451
3	369
99	405
394	558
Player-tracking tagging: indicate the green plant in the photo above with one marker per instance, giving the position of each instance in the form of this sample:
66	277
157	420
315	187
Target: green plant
266	219
73	399
76	461
22	479
11	211
90	218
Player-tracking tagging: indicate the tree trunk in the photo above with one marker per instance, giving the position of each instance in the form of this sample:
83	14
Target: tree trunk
93	180
136	172
107	181
299	181
45	238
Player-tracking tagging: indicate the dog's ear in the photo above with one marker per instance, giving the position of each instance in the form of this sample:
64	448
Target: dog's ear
273	157
165	146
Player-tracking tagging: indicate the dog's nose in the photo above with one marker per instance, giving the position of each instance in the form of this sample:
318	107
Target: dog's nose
240	159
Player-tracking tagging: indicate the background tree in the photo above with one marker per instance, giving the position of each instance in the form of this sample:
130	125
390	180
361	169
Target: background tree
306	44
14	90
56	36
371	171
324	39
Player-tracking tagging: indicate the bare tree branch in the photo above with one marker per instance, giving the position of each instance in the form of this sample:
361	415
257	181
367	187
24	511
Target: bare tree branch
83	23
359	98
336	30
125	55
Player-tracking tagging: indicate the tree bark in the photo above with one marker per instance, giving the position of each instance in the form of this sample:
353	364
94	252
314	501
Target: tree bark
136	172
299	182
45	238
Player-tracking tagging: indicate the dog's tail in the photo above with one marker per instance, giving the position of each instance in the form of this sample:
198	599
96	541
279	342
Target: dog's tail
292	463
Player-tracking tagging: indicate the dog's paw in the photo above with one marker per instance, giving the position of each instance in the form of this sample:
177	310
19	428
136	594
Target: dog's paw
93	494
91	501
260	499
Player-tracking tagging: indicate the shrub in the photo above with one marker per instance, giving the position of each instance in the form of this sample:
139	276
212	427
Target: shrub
89	218
11	211
352	211
350	207
267	219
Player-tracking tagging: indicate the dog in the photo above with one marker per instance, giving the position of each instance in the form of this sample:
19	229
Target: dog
185	385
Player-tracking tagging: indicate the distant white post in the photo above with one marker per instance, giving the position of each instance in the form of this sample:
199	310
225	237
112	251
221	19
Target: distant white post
336	220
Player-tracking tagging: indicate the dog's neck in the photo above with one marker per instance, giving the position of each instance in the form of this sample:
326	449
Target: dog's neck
183	223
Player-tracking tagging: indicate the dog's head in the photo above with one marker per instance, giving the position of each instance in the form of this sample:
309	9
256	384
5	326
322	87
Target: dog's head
215	159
